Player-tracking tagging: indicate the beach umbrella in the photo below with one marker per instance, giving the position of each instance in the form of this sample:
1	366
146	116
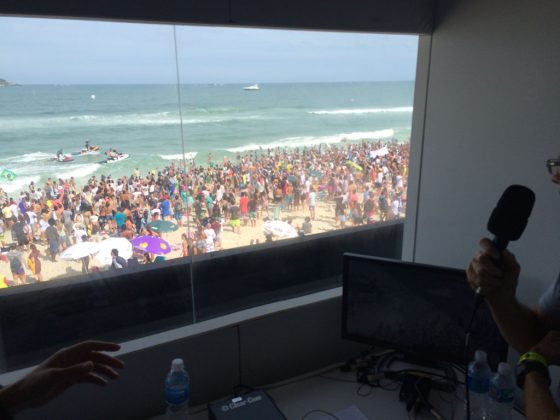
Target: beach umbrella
151	244
163	226
103	255
80	250
279	228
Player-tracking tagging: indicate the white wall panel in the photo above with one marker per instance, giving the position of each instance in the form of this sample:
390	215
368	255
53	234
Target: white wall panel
492	119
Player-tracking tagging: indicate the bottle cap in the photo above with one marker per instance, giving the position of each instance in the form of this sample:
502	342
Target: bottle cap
480	356
504	369
177	364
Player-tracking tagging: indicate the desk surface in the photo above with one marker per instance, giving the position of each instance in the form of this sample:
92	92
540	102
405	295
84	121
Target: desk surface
334	391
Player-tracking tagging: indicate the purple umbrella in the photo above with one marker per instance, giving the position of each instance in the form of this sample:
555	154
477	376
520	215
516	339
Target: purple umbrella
151	244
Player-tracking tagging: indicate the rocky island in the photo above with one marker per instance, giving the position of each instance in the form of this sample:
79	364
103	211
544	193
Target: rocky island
5	83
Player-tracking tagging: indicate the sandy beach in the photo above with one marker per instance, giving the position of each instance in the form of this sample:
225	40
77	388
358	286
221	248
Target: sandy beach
346	186
324	222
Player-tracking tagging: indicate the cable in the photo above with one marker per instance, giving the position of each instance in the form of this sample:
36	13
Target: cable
322	412
352	381
427	373
519	410
301	378
361	394
247	389
477	302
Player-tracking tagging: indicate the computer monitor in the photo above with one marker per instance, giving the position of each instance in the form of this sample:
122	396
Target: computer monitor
417	309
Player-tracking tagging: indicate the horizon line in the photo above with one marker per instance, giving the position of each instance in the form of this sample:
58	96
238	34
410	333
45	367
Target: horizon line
204	83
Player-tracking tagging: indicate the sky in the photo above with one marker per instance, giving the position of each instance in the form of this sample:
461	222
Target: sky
55	51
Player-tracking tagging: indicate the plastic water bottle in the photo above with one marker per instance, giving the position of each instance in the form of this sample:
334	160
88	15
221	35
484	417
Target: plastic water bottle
502	393
478	382
177	391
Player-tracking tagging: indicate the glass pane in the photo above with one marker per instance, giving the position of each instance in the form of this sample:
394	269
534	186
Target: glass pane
85	123
294	134
249	159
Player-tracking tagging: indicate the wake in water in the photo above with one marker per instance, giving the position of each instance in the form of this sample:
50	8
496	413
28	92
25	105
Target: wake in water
29	157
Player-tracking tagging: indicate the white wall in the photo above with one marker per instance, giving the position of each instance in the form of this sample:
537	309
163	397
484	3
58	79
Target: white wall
492	119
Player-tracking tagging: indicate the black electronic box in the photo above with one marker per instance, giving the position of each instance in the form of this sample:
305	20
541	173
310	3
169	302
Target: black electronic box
256	405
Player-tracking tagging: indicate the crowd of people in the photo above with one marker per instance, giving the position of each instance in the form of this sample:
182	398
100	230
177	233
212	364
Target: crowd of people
363	183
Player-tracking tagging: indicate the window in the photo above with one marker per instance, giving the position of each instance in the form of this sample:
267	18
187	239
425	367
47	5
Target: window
176	145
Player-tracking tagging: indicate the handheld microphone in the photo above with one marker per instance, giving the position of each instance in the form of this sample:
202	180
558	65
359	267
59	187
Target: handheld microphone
510	216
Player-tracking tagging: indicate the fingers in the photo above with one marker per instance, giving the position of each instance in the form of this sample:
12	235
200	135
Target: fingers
106	371
489	249
105	359
493	270
483	273
87	351
88	346
87	372
92	378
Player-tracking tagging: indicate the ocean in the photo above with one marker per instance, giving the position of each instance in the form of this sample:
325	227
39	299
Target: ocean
144	122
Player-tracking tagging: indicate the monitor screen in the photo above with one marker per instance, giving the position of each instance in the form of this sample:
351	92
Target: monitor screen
415	308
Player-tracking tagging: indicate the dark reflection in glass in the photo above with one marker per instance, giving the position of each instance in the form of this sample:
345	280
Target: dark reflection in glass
250	277
116	305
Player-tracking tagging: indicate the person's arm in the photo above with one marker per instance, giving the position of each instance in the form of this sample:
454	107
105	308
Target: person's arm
521	326
82	363
539	403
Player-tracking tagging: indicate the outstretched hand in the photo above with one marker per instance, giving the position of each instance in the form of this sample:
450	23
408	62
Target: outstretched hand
81	363
494	280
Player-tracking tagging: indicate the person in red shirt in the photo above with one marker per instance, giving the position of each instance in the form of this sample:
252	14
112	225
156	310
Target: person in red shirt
244	207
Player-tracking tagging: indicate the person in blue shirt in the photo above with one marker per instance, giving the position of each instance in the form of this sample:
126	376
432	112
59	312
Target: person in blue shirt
165	206
120	219
534	332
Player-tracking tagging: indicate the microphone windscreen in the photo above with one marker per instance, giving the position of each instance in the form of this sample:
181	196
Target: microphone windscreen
511	214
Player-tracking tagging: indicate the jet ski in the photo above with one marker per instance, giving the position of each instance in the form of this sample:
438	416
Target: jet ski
63	158
115	159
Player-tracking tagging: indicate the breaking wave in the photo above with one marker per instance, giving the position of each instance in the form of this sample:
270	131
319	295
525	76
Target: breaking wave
315	140
362	111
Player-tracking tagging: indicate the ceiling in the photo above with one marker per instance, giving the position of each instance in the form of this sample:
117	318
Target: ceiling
383	16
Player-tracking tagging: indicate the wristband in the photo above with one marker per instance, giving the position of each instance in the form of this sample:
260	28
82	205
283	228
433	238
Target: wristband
524	367
533	357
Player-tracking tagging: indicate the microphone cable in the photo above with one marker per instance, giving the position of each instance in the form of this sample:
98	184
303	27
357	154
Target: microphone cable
478	298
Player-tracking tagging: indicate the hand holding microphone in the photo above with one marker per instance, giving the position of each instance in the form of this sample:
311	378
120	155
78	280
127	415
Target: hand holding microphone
486	277
494	268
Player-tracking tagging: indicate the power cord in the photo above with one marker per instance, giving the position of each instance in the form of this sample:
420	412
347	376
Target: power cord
331	415
477	302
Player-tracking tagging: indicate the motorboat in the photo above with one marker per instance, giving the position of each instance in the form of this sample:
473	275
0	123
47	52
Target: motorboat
252	87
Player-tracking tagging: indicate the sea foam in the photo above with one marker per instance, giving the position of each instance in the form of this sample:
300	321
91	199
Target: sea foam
179	156
315	140
142	119
362	111
79	171
19	184
30	157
